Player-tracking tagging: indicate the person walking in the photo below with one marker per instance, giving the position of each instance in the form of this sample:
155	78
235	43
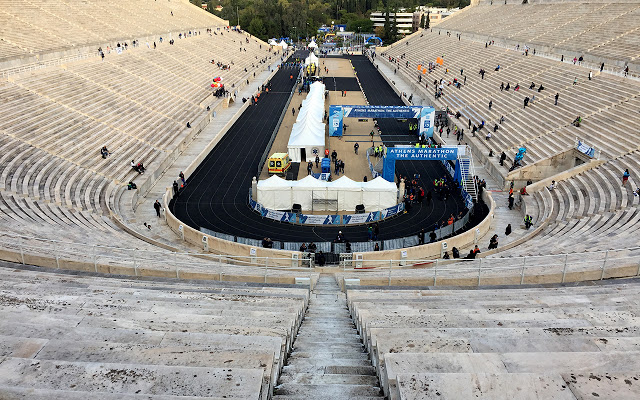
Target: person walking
356	147
490	104
625	177
590	74
157	206
555	103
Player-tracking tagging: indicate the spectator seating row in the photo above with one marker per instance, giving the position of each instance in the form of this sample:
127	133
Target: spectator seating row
602	29
51	25
598	101
90	337
578	342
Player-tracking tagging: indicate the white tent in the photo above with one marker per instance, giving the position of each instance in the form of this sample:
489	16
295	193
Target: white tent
379	194
308	133
306	189
347	191
272	42
278	194
313	45
283	44
274	193
312	59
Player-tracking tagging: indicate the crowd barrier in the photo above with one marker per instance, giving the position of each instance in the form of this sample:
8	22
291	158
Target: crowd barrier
546	269
324	219
337	248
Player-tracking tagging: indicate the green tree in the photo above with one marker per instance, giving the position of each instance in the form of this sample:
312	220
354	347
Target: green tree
256	27
427	21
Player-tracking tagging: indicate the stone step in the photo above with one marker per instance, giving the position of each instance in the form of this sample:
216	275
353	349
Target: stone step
130	378
311	353
328	345
330	379
329	391
28	393
325	362
319	396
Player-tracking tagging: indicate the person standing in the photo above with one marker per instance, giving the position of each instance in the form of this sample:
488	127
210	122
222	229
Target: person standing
555	103
309	167
157	207
356	147
625	177
507	231
490	104
317	160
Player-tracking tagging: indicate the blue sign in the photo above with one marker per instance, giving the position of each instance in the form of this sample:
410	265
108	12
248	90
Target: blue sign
426	116
360	218
414	153
583	148
319	219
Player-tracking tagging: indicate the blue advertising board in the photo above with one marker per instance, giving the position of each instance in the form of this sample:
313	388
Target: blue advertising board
414	153
337	113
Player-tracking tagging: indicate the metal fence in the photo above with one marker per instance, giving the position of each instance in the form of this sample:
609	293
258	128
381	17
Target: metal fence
554	268
337	248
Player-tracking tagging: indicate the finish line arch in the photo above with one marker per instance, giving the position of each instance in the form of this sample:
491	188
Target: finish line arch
337	113
415	154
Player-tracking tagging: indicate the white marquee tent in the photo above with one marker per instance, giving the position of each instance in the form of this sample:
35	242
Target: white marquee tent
313	45
272	42
308	133
283	44
278	194
306	189
311	59
379	194
275	193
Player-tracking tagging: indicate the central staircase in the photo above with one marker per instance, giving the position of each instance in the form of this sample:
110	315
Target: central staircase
328	360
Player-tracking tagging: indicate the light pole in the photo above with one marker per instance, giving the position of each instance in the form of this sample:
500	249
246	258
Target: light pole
294	31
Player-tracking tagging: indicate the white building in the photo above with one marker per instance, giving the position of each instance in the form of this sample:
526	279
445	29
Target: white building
404	21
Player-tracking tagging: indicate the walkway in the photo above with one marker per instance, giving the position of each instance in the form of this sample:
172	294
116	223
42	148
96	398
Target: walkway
145	211
328	360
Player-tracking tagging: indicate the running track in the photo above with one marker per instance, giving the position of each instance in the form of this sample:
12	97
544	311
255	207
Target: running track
216	194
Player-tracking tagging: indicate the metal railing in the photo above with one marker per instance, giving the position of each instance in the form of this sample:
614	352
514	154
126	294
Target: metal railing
172	263
556	268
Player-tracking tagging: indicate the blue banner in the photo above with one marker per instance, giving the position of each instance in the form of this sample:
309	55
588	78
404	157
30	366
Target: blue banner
414	153
335	120
319	219
418	153
363	218
382	111
583	148
426	116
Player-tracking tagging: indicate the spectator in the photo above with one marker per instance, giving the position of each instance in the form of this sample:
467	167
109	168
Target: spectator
493	242
625	176
507	231
528	221
552	186
157	207
176	189
104	152
421	236
433	236
131	185
455	252
556	99
376	247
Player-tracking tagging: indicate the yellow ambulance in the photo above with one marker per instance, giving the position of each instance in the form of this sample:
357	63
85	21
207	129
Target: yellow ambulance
279	163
